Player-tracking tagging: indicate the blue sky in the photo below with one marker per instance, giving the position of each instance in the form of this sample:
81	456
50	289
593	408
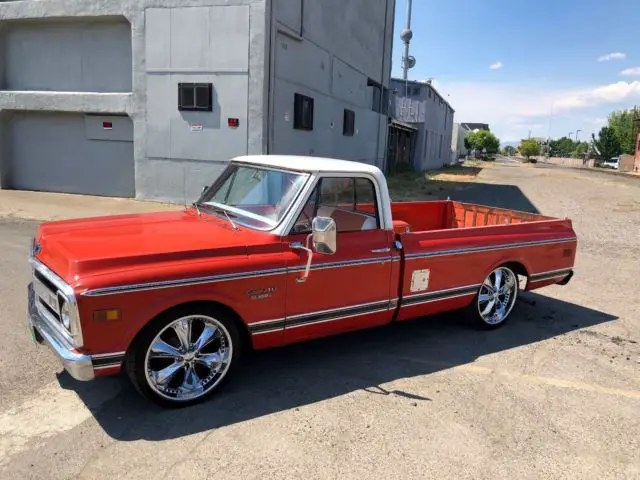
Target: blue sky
545	66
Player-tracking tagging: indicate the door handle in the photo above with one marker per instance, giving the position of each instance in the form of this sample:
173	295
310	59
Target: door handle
381	250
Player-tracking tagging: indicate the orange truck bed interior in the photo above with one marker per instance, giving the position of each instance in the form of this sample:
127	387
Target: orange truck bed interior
447	214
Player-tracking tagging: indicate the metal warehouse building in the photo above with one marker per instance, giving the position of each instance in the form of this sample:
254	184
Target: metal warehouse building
150	98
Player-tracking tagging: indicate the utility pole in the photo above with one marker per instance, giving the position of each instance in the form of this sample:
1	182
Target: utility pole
407	61
577	131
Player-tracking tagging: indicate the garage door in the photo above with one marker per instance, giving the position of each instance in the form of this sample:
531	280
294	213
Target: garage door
71	153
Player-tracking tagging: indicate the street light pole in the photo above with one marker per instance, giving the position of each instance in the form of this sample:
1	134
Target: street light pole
577	131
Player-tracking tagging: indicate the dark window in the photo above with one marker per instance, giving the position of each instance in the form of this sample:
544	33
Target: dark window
195	97
429	93
351	202
303	112
349	123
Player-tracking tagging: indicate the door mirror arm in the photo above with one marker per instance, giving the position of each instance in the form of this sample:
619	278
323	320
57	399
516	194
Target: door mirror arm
323	236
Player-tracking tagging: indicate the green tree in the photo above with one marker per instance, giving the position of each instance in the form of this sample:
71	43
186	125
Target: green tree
467	145
529	148
625	129
607	144
562	147
580	150
483	139
509	150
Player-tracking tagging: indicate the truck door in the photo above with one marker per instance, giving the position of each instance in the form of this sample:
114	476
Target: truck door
350	289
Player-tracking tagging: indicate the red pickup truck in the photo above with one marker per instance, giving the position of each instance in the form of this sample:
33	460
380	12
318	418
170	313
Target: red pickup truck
280	249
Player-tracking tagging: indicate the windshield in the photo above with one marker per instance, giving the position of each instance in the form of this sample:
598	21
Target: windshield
256	197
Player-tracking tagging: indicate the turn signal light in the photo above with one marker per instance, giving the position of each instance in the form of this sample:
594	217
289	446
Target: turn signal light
106	315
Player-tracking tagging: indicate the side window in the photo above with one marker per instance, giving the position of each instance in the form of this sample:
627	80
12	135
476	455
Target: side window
351	202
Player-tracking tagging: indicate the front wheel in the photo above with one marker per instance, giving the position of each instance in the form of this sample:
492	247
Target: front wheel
496	298
184	356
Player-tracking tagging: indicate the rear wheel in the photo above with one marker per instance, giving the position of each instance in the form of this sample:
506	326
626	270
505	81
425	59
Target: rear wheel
496	298
184	356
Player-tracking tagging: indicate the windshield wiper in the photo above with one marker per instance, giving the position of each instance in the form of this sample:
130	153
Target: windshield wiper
233	225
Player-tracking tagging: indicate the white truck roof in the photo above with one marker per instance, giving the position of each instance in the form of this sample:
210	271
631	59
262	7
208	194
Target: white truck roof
310	164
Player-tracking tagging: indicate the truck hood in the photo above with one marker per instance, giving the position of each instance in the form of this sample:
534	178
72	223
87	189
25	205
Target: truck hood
73	248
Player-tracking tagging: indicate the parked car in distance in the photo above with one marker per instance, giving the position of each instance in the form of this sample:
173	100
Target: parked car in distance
612	163
278	250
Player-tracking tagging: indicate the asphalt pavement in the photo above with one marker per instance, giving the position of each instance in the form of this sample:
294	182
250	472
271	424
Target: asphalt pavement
553	394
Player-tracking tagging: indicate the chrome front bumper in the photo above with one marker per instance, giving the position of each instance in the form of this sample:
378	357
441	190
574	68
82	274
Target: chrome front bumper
77	364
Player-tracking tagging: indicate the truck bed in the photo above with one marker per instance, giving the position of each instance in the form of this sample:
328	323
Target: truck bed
443	215
449	248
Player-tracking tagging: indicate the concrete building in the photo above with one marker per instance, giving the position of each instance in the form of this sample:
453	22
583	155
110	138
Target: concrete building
419	105
460	132
150	98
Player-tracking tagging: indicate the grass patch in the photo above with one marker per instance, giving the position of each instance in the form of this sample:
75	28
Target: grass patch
434	184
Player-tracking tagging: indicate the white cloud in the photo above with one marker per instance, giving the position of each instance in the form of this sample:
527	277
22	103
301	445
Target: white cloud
511	109
613	93
612	56
496	66
631	72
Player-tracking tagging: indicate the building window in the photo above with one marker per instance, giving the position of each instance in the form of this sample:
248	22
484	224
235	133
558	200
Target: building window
349	123
429	93
303	112
195	97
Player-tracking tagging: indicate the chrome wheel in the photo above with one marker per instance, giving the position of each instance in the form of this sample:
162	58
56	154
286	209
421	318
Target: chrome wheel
188	358
497	296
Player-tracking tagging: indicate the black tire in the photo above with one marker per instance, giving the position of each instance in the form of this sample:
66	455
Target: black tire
491	320
136	360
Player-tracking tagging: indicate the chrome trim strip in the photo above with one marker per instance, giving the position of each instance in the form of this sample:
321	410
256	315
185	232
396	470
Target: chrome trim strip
442	292
560	272
346	263
137	287
381	250
335	310
106	355
460	251
262	332
332	319
104	367
437	299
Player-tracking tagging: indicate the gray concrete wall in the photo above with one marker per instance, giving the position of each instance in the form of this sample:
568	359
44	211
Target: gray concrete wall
71	55
328	50
179	171
60	152
424	108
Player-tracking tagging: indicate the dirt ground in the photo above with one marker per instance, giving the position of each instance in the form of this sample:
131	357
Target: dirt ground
553	394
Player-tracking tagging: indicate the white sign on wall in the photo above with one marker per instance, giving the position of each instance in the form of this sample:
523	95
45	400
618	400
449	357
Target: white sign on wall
195	127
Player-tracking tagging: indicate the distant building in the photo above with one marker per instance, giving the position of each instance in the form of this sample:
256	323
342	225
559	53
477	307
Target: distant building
476	126
460	132
418	106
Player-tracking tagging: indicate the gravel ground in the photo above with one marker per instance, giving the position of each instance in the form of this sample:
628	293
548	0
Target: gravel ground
553	394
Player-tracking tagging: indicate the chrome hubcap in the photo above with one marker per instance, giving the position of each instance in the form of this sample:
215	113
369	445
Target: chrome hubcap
188	358
497	295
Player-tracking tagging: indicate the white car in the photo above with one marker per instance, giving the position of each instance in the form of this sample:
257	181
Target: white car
612	163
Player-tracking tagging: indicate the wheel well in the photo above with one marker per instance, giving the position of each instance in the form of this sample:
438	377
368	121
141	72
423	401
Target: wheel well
518	269
242	327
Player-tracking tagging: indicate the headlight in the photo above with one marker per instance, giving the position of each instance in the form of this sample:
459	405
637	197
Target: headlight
65	315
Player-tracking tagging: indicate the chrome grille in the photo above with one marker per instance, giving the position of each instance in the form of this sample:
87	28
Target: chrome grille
47	297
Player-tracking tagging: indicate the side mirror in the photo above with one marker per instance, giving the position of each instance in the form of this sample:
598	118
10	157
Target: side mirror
324	235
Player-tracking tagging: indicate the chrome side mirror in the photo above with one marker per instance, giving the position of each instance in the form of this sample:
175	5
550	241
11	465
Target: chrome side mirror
324	235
